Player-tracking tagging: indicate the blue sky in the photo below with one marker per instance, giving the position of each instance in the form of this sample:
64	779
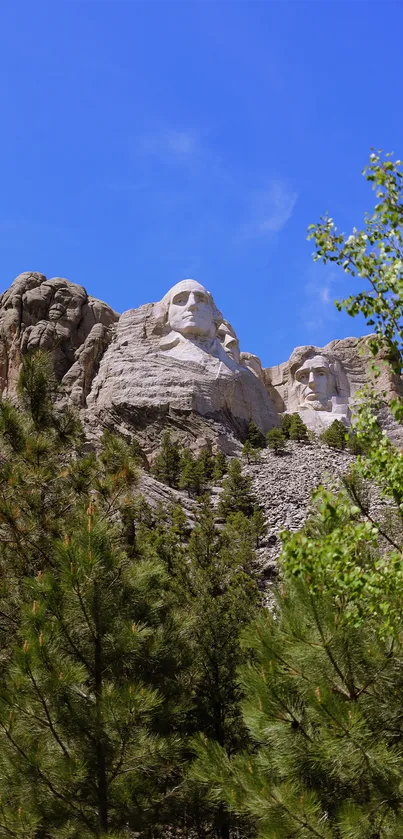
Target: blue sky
147	141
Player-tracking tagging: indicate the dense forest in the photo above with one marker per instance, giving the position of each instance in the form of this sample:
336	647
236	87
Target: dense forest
146	690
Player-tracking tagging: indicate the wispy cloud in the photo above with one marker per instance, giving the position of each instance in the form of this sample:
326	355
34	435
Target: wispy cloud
319	294
233	200
181	142
271	208
277	206
324	294
170	145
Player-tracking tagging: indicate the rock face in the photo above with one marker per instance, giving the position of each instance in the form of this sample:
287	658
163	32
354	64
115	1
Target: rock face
54	315
174	363
147	371
320	383
177	361
283	485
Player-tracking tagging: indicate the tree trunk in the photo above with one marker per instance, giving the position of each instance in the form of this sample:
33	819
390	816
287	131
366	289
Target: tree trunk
102	782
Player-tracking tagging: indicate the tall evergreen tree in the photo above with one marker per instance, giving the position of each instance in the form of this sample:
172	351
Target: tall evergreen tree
166	467
327	758
192	477
91	646
255	437
285	425
86	742
298	430
237	495
206	460
251	453
220	466
276	440
224	597
335	435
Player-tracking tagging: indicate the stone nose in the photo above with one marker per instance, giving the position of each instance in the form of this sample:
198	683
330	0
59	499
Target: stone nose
192	302
311	381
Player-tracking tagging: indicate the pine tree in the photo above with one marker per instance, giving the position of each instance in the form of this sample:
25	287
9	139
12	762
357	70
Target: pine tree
327	755
91	652
223	598
166	467
237	496
323	692
298	429
191	474
86	731
285	425
250	452
335	435
220	466
275	440
42	465
259	526
255	437
354	445
206	463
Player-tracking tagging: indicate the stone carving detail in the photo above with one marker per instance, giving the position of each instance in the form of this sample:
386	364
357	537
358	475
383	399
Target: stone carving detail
180	355
177	358
54	315
321	383
318	383
229	341
313	383
192	326
253	363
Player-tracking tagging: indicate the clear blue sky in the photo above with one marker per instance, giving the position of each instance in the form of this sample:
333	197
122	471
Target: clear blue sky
147	141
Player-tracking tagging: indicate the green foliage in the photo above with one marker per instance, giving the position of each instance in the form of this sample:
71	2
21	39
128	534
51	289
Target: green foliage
285	425
323	685
180	469
206	461
335	436
298	430
191	474
81	710
354	444
373	253
322	708
237	496
91	648
276	440
255	437
36	387
166	467
259	526
220	466
251	453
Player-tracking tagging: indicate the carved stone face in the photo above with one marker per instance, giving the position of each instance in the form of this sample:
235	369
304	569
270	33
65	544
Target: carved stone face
229	341
190	310
66	306
314	384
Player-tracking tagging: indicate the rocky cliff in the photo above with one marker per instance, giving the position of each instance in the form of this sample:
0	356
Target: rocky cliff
177	364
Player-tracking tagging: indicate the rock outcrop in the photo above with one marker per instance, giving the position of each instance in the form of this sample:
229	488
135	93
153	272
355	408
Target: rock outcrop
139	380
321	383
54	315
175	363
